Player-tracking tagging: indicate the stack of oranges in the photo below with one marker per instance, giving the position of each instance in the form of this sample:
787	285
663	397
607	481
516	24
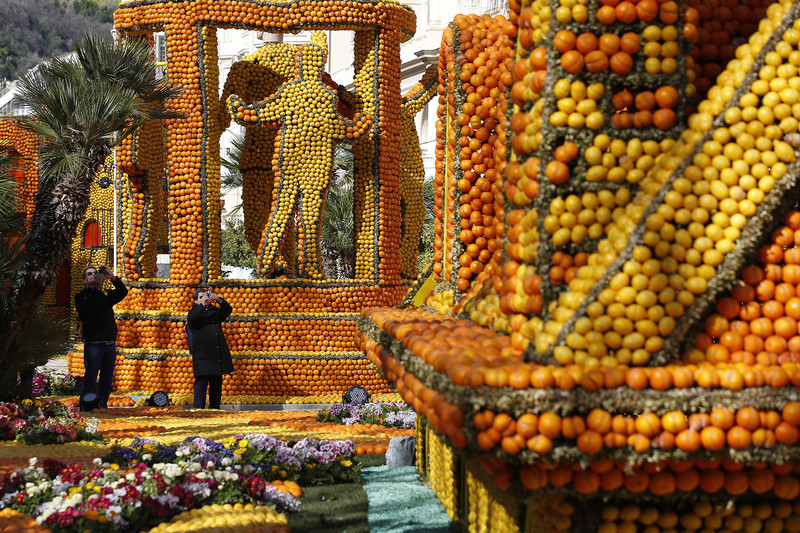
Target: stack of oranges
483	55
639	340
24	164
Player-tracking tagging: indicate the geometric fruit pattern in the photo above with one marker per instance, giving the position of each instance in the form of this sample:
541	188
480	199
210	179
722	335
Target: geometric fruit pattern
474	65
634	352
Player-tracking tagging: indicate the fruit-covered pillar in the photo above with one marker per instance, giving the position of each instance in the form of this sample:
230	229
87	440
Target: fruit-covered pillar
189	231
376	157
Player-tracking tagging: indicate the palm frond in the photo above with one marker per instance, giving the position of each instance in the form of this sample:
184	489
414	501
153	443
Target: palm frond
55	159
12	226
42	339
127	63
232	159
337	217
233	179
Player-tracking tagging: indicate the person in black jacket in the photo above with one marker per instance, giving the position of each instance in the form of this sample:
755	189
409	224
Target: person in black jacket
95	310
211	357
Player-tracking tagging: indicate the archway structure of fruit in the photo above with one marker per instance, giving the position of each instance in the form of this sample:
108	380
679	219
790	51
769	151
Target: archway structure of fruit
619	223
289	337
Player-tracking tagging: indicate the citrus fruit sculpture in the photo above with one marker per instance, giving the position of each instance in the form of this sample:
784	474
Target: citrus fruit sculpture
254	78
612	343
295	335
305	109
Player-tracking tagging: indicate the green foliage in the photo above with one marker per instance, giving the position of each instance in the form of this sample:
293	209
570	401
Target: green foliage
232	179
337	217
96	10
92	104
336	226
35	30
332	509
427	234
230	493
235	250
42	338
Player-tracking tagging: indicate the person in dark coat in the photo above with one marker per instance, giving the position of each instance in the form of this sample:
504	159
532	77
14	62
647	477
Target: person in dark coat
95	310
211	357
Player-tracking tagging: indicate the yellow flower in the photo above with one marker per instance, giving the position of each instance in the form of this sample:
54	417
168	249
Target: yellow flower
283	473
114	466
240	451
243	443
347	462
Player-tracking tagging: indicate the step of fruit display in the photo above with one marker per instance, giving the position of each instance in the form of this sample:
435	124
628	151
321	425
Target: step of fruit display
635	341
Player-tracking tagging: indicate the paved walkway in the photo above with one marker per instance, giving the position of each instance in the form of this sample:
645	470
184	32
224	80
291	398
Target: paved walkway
400	503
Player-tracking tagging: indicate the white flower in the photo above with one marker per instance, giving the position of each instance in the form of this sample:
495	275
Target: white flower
114	514
168	499
199	489
41	517
226	461
173	471
130	477
147	457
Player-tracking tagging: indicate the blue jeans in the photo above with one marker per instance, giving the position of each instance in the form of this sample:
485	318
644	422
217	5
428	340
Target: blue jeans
213	384
99	357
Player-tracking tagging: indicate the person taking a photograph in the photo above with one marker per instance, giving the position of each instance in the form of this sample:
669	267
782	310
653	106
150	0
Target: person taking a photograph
211	357
96	312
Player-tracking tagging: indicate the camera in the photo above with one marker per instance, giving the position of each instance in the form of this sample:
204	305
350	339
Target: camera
103	270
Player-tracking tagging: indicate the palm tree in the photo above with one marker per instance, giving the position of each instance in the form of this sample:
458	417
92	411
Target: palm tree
81	109
427	234
42	337
337	249
233	178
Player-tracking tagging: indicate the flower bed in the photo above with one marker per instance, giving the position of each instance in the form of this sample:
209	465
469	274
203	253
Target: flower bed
146	483
50	383
309	461
45	422
392	415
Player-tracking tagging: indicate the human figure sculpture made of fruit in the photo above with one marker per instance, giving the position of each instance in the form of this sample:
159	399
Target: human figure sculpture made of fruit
412	172
254	78
310	127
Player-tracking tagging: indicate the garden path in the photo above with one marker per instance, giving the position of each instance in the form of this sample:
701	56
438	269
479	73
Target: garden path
400	503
